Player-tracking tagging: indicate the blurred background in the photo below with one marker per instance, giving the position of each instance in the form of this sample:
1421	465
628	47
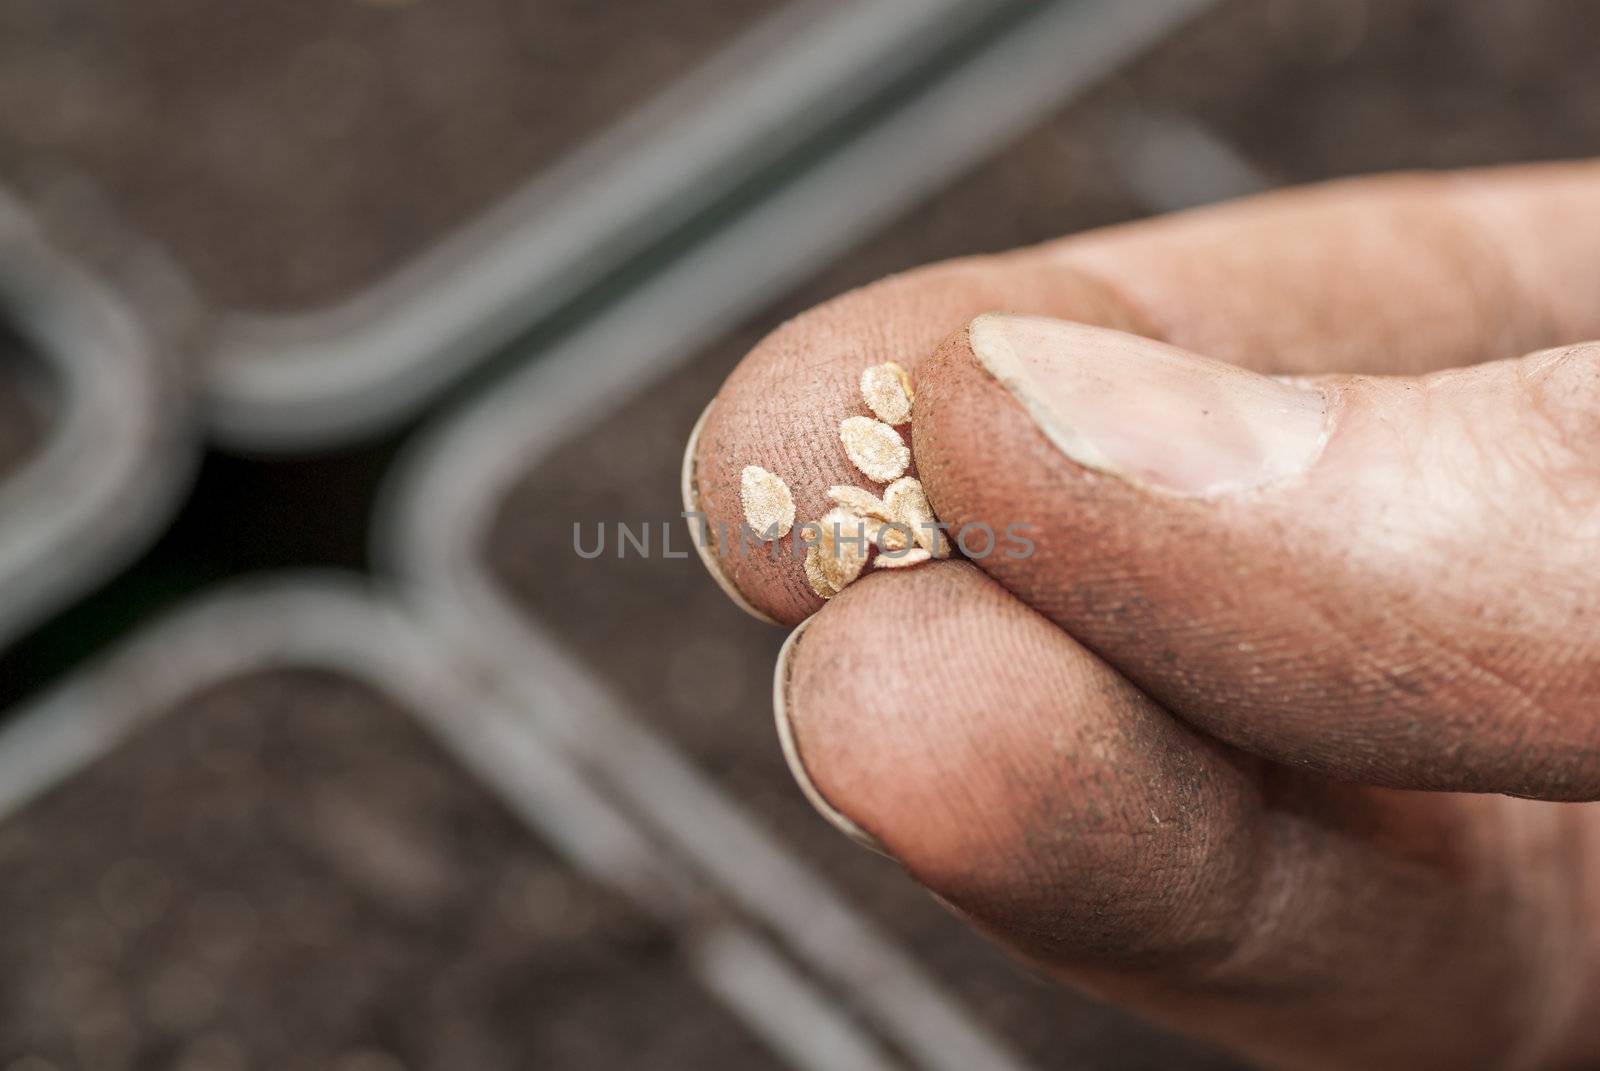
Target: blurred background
322	324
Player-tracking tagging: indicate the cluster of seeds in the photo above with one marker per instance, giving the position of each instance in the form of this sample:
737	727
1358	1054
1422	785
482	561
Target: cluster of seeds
893	531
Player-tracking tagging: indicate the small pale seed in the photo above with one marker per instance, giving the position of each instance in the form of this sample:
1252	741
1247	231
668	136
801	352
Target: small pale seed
766	501
893	537
841	547
886	388
814	577
914	556
874	448
860	501
909	503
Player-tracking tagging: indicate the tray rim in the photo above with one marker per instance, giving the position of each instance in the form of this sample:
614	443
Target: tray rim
119	452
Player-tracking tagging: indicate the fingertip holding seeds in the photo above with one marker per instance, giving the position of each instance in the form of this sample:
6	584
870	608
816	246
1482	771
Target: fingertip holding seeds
767	502
886	388
875	448
892	532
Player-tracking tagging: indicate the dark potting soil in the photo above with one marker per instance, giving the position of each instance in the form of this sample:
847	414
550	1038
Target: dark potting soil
1310	90
290	153
285	871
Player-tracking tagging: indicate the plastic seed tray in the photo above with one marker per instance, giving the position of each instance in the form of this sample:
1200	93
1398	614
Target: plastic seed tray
281	829
96	443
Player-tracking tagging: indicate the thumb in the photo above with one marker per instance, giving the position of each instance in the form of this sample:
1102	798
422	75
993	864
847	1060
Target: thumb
1386	579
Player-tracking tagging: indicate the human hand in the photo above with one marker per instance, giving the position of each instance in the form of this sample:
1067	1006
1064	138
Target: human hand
1234	745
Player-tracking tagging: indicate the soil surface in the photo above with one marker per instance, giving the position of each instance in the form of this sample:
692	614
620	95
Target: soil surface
286	872
290	152
1301	91
1310	89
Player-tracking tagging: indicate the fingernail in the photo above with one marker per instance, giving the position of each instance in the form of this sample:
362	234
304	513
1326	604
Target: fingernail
1150	413
791	751
698	533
